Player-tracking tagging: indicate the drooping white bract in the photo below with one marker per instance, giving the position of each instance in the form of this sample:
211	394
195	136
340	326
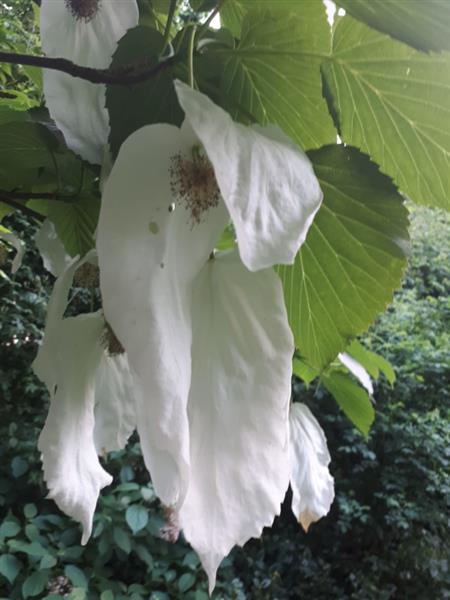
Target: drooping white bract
357	370
71	362
311	482
238	408
85	32
115	416
166	201
17	244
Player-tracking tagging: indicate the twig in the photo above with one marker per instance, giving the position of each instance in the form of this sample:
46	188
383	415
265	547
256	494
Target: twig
38	196
27	211
127	75
170	16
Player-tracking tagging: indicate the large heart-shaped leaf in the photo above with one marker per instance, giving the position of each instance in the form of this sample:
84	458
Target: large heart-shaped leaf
274	72
353	257
393	103
423	24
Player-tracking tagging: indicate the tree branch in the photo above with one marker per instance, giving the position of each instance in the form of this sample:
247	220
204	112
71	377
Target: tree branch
38	196
18	206
128	75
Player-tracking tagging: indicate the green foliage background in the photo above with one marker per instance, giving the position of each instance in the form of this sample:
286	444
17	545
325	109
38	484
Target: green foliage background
386	536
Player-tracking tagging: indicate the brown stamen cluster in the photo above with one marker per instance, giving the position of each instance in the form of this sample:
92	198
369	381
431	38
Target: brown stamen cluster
87	276
193	184
60	585
110	342
83	10
171	530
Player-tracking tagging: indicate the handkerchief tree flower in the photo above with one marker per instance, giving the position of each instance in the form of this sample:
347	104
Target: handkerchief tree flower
207	338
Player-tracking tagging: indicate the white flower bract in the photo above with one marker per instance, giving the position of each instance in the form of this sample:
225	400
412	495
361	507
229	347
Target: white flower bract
72	362
311	482
78	106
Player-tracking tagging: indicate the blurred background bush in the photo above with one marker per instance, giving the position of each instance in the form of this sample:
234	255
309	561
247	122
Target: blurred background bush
385	538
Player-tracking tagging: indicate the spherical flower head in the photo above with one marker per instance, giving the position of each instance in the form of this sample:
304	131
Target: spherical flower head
193	183
83	10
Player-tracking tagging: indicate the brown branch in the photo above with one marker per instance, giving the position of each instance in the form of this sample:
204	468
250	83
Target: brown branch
18	206
38	196
128	75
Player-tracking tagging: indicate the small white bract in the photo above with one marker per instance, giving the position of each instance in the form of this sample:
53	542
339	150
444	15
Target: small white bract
311	482
85	32
91	404
12	239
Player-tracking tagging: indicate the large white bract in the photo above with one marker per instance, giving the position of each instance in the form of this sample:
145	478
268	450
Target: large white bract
207	339
85	32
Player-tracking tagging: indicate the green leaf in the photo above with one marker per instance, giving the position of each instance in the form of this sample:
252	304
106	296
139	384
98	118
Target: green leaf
75	223
372	362
353	258
47	562
16	99
9	529
274	73
34	584
185	582
107	595
19	467
33	549
227	239
423	24
233	12
25	144
303	370
122	539
153	101
203	5
392	102
136	517
145	556
10	567
76	576
30	510
352	398
8	114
